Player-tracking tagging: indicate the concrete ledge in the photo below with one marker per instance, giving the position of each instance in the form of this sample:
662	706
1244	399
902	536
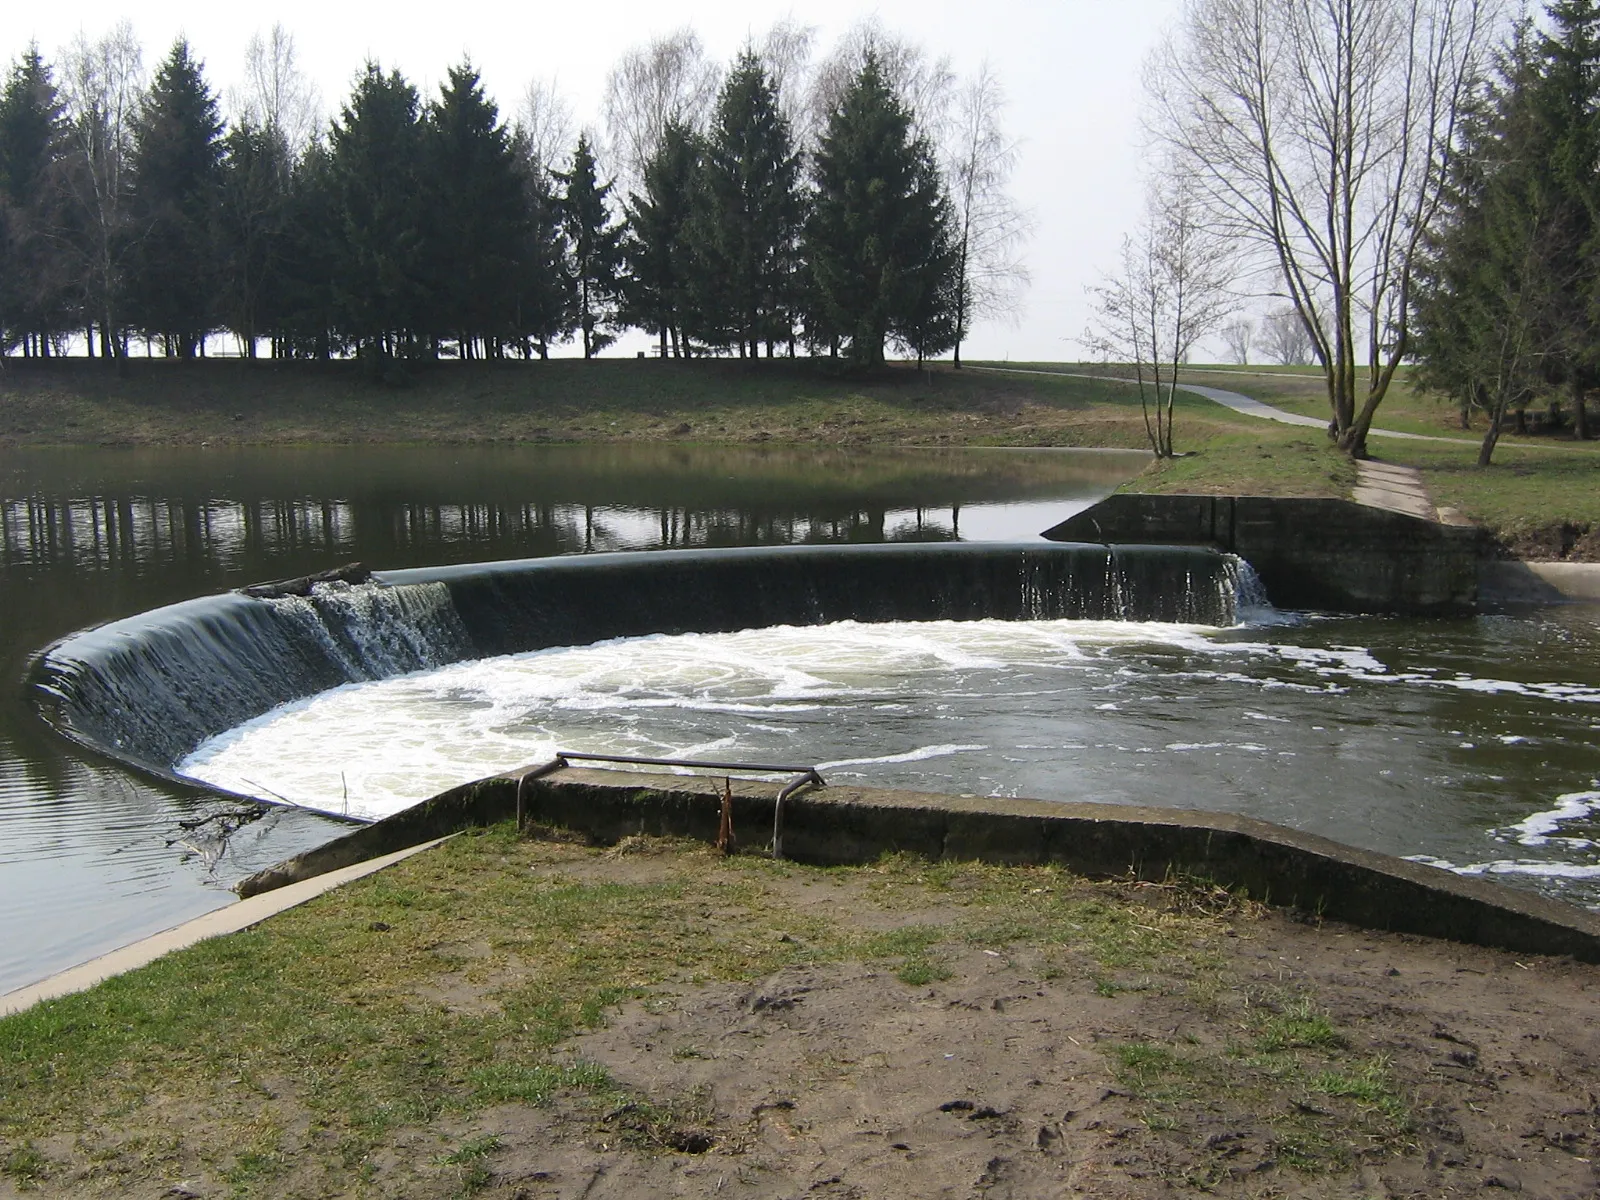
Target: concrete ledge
1332	555
231	919
1512	582
841	825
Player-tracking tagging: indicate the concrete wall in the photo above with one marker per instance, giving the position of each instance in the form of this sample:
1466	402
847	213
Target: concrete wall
838	825
1332	555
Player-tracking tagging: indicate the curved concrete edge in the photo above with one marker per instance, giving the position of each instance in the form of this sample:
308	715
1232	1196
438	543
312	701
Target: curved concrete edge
241	914
842	825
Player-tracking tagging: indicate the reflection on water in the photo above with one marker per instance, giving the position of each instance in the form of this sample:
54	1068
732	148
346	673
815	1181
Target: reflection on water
91	856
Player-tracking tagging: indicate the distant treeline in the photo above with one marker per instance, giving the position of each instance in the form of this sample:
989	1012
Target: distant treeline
417	229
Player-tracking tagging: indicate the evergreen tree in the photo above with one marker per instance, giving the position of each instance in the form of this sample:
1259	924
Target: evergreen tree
177	167
33	282
594	248
658	249
375	174
477	217
305	301
878	240
1567	111
543	291
748	229
253	229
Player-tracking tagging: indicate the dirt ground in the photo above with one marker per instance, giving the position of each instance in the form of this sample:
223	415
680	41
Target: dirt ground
840	1081
951	1031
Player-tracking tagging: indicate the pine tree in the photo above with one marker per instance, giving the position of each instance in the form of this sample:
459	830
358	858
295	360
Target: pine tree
375	172
594	247
253	230
878	240
305	301
476	218
658	249
747	232
33	282
177	169
543	290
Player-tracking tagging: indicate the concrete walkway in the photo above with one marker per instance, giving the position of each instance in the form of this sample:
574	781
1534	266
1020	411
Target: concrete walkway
1238	402
234	917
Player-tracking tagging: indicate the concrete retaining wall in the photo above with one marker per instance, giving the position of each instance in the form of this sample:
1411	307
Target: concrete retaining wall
839	825
1331	555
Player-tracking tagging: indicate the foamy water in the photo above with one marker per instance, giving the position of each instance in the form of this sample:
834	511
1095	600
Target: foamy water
1379	745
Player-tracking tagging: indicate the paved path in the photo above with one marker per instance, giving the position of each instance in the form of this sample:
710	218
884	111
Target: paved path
1238	402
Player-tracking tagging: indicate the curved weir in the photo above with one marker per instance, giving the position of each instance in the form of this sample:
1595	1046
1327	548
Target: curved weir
149	689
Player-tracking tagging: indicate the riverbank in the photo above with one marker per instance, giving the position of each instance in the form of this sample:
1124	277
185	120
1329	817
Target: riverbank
1538	500
500	1017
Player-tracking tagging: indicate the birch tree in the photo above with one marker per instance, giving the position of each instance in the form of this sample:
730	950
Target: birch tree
990	226
1318	133
668	80
1171	289
276	94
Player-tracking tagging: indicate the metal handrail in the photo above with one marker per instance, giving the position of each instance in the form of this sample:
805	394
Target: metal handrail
800	777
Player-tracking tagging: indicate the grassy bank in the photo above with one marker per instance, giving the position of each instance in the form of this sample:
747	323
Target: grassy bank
499	1012
1540	496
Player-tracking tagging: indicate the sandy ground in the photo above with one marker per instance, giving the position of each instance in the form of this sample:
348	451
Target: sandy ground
841	1081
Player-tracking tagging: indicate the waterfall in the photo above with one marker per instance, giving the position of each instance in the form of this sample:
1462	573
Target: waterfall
151	688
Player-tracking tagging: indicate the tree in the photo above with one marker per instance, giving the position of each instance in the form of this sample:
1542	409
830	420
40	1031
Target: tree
594	247
746	234
33	285
476	217
990	227
1493	308
1239	336
879	238
544	290
375	176
177	175
923	85
253	228
666	81
102	83
276	93
1170	292
659	249
544	121
1319	133
1286	339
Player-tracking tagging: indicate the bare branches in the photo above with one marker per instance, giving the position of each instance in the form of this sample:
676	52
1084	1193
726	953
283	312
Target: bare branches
276	93
667	81
1172	289
990	226
544	118
1317	133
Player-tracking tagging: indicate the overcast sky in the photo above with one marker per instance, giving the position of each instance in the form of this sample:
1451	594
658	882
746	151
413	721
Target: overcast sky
1071	68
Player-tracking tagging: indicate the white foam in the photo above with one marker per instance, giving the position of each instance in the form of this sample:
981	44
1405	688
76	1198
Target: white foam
1537	829
921	754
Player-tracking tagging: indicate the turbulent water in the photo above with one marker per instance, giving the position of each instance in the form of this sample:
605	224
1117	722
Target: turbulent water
1467	744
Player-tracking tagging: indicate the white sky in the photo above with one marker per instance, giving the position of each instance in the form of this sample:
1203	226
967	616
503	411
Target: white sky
1071	68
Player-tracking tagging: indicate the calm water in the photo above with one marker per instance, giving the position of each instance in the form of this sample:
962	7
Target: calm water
92	856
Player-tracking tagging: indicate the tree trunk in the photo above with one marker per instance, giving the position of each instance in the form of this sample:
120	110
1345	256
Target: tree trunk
1580	413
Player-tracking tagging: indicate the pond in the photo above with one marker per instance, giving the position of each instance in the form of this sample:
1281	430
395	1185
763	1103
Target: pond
93	855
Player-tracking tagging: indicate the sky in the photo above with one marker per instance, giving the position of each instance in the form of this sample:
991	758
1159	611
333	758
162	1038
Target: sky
1071	69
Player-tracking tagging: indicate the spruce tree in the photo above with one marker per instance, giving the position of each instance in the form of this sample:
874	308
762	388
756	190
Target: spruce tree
253	229
177	169
658	248
476	217
375	173
748	229
878	240
33	280
306	300
543	290
594	248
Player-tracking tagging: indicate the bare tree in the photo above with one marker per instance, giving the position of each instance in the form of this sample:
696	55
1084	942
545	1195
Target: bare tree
545	120
1239	336
668	80
1172	289
276	94
1286	339
785	52
101	84
1318	132
925	85
990	226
